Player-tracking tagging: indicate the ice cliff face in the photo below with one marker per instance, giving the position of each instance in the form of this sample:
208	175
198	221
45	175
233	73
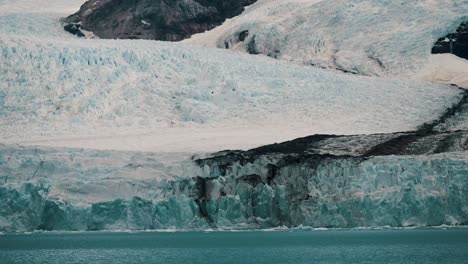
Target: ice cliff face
397	179
261	188
159	20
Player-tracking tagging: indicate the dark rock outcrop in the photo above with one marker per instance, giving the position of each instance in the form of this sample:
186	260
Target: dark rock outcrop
455	43
151	19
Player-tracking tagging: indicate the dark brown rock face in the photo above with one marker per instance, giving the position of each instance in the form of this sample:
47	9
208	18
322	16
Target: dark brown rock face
455	43
170	20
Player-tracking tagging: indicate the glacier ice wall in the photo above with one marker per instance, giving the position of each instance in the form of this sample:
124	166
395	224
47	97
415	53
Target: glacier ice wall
84	176
331	181
350	192
397	179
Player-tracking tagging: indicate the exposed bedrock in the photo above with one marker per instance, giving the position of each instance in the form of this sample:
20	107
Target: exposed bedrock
455	43
151	19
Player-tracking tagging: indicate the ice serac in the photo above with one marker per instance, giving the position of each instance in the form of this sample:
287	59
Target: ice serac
149	19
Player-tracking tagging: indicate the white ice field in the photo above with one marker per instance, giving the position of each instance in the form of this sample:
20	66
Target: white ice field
375	38
59	90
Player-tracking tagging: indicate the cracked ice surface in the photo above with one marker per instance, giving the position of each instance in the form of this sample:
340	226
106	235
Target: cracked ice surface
145	95
364	37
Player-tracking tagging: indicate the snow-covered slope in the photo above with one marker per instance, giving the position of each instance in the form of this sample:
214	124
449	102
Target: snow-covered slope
364	37
445	68
145	95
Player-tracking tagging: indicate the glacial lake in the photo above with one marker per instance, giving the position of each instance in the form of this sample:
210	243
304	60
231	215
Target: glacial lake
427	245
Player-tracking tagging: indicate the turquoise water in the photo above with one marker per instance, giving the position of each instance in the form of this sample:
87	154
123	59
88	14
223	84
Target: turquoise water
333	246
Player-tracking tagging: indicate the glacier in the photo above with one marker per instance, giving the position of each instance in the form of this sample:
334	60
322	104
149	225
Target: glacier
121	134
417	178
108	88
154	96
332	181
376	38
